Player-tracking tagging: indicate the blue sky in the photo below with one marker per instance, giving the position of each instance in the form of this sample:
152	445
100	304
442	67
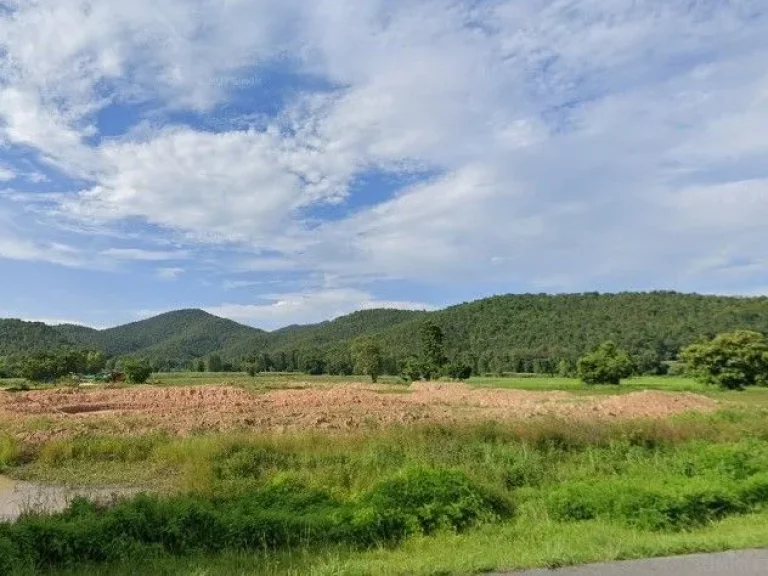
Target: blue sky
281	163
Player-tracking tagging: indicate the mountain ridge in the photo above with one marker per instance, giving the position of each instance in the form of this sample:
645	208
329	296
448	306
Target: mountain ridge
504	332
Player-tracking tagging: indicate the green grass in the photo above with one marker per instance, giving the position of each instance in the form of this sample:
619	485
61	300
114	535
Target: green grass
580	491
667	383
586	491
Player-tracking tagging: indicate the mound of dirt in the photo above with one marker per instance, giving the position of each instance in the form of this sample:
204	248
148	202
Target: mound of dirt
346	407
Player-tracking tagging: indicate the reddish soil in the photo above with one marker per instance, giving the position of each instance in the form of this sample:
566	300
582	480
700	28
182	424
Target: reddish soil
346	407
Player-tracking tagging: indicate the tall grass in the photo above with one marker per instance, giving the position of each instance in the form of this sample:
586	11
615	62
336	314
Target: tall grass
311	491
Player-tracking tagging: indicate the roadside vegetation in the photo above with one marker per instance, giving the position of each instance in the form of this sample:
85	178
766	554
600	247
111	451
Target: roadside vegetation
367	502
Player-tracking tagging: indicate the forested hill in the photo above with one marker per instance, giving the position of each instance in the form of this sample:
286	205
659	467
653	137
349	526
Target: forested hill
509	333
18	337
499	334
173	338
343	329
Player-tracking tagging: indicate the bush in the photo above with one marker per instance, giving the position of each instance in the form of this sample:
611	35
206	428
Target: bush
137	371
606	365
733	360
282	514
458	371
676	505
420	501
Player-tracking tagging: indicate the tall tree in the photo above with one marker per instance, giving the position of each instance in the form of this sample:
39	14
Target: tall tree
366	355
215	363
432	349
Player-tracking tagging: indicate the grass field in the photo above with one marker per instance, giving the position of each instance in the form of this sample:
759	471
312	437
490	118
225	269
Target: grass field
407	499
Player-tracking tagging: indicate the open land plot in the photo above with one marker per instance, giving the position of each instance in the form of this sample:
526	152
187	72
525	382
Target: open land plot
308	406
495	478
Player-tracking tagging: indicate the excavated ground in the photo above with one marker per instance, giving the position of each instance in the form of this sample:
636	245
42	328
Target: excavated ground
46	414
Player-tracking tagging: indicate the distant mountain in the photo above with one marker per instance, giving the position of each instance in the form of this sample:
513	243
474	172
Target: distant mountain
510	332
364	322
503	333
19	337
179	336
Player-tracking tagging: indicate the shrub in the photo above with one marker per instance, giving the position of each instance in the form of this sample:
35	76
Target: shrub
282	514
420	501
732	360
137	371
606	365
676	505
458	371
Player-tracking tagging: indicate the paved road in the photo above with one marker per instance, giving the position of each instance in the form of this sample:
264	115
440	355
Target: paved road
736	563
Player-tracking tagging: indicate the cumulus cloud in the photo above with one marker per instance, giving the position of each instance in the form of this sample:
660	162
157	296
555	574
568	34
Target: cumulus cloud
566	145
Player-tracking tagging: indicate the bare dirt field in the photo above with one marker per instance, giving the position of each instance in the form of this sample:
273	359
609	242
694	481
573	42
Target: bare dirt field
180	410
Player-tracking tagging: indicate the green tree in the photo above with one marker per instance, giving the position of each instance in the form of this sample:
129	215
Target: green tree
137	371
215	363
564	369
606	365
458	370
199	365
412	369
366	355
432	350
731	360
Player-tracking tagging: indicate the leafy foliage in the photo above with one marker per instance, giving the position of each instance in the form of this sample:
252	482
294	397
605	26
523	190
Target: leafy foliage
280	515
19	337
367	357
606	365
432	350
732	360
137	371
513	333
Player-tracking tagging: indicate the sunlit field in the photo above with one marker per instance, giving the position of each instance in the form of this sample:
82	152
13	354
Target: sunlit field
457	496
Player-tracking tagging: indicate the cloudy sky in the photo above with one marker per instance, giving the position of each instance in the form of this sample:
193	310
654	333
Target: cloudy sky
283	162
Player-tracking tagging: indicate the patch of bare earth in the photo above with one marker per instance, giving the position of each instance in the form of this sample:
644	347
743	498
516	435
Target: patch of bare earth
345	407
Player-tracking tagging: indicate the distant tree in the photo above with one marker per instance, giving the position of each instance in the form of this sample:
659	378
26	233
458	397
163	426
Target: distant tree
215	363
648	362
366	355
199	365
731	360
458	370
95	362
432	350
412	369
606	365
564	369
137	371
312	361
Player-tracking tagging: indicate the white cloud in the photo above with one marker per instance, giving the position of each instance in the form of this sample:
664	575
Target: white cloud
169	273
141	254
6	175
218	187
12	248
571	144
307	307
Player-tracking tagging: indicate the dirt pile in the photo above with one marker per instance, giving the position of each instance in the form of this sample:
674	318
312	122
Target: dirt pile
346	407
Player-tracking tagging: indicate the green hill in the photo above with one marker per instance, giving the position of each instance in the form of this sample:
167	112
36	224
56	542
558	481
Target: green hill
345	328
512	332
516	332
174	337
19	337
